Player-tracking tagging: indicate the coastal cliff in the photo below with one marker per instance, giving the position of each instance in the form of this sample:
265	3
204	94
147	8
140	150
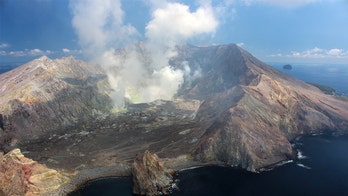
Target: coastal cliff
150	177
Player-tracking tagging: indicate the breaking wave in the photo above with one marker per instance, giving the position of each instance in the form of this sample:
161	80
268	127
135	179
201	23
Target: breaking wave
304	166
265	169
300	155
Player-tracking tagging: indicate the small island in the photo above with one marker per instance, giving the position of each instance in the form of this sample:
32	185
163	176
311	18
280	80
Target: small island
287	67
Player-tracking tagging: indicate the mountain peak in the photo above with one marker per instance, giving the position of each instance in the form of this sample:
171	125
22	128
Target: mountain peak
43	58
68	59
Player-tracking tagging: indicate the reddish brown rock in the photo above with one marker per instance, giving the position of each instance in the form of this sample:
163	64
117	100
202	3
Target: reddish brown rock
149	175
22	176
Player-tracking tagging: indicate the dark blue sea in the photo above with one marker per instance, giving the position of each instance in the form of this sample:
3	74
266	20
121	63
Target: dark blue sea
7	66
332	75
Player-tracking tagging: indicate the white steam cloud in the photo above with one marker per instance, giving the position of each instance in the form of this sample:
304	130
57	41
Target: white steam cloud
174	24
99	25
139	72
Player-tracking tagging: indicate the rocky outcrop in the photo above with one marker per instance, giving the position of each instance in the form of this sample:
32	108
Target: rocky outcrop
149	176
22	176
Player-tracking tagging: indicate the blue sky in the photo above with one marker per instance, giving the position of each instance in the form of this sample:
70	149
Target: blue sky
289	31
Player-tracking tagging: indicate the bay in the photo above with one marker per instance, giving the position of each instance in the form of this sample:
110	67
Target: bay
105	186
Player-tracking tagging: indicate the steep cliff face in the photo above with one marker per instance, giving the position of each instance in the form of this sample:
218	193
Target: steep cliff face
22	176
150	177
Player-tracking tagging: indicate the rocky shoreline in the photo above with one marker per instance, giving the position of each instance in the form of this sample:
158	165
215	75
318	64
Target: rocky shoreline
73	181
173	165
84	176
123	170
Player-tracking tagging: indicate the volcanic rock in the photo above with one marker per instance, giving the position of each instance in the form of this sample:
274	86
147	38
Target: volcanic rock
254	111
232	109
22	176
150	177
48	95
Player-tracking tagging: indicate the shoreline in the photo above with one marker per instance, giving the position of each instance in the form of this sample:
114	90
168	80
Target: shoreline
124	170
86	175
178	164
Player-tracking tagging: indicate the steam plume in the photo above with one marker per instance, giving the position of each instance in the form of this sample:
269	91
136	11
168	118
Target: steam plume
139	72
99	25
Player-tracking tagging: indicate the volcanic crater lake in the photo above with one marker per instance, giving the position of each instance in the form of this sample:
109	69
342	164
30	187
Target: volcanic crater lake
322	169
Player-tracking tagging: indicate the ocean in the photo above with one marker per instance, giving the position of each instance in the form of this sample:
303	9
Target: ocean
321	170
322	167
332	75
4	67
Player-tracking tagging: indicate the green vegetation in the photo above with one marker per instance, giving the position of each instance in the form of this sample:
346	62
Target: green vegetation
325	89
330	91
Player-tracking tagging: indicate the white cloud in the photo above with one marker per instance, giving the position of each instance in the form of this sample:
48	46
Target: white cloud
282	3
315	53
321	53
175	23
38	52
336	52
26	52
4	45
65	50
276	55
311	53
241	44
